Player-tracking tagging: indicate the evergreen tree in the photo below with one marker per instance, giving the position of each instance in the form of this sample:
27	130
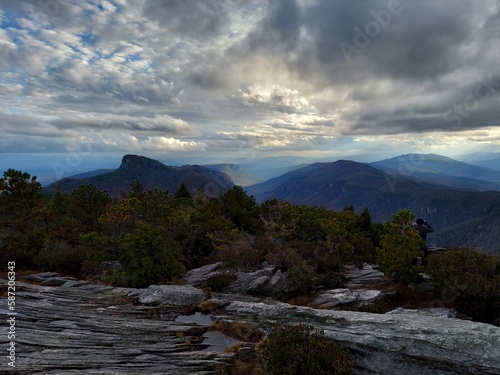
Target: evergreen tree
400	248
182	192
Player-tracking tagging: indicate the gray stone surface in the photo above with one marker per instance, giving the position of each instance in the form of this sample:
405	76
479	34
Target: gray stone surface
264	281
173	295
392	344
39	277
97	329
251	281
437	312
334	297
199	276
368	273
57	281
88	330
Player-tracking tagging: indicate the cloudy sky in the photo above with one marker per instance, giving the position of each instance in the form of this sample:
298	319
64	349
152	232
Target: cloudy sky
249	78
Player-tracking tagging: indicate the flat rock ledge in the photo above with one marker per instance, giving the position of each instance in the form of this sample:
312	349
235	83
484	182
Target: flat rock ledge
173	295
343	296
392	344
83	328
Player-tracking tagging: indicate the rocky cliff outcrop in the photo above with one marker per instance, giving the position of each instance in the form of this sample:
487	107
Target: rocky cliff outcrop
82	328
392	344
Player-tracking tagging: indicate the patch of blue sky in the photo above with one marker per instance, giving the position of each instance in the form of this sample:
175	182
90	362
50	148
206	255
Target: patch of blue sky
14	110
9	21
12	76
88	39
134	57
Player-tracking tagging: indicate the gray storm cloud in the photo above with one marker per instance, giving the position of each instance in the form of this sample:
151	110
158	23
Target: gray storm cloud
283	73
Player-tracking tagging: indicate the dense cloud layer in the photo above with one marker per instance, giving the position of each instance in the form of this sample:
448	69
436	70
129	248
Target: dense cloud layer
231	75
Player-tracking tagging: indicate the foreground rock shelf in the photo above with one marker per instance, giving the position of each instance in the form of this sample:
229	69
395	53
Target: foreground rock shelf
88	330
402	342
95	329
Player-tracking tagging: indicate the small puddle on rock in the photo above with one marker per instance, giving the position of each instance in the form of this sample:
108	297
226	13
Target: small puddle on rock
196	318
217	341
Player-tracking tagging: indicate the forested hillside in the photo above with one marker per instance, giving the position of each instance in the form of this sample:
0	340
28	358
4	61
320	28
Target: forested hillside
155	236
461	218
151	174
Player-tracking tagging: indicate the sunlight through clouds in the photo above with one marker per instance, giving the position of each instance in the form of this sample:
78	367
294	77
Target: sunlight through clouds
269	72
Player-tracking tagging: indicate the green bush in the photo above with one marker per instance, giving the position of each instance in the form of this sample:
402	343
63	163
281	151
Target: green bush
301	276
149	256
300	350
399	248
470	281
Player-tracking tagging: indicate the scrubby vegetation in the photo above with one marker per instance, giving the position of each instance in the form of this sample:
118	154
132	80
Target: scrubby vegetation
156	235
301	349
470	281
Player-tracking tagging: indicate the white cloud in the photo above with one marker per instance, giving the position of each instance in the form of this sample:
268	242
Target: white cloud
217	76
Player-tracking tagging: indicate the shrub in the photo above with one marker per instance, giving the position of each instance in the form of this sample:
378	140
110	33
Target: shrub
333	280
470	281
60	257
399	248
238	251
300	274
149	256
300	350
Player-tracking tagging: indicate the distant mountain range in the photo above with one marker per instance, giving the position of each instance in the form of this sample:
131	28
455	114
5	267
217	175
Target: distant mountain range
484	159
151	174
461	217
461	200
435	169
237	174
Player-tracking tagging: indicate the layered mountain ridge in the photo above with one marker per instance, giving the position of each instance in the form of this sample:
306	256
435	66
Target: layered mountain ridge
151	174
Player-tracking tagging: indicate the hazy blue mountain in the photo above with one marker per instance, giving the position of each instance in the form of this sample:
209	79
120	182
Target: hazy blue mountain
239	176
460	217
91	173
440	170
152	174
483	159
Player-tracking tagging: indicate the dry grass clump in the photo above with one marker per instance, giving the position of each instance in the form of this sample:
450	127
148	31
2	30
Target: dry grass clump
238	330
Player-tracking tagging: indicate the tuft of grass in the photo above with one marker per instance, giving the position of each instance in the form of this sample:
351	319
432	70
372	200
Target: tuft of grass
238	330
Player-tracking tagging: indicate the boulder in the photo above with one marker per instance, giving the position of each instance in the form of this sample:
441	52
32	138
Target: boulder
368	273
199	276
251	281
57	281
172	295
334	297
